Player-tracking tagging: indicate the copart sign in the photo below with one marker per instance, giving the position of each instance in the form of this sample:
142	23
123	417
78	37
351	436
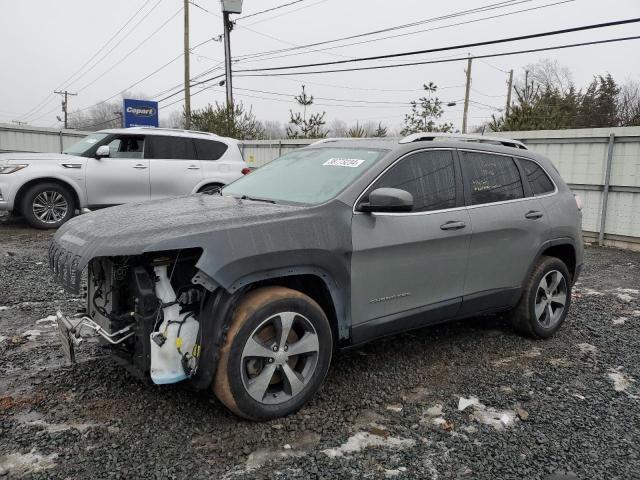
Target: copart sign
140	113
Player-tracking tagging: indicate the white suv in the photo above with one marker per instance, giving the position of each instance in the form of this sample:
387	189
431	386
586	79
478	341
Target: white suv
116	166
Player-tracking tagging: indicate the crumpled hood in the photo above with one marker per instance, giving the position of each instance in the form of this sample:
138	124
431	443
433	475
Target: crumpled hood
167	224
24	157
137	227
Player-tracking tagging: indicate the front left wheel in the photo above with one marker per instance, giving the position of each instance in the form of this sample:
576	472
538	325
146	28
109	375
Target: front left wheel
275	356
47	205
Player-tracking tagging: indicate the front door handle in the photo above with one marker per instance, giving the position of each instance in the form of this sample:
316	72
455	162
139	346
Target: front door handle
453	225
193	167
533	215
140	166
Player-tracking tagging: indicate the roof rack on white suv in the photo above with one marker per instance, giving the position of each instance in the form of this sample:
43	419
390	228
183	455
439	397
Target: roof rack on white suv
464	137
179	130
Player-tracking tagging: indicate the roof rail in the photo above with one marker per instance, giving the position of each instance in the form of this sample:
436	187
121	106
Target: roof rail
464	137
166	129
342	139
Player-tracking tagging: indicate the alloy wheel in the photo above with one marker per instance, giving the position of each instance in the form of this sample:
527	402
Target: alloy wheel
279	358
551	299
50	207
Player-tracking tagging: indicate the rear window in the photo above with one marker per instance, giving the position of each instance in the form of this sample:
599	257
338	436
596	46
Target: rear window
170	148
491	178
209	149
538	180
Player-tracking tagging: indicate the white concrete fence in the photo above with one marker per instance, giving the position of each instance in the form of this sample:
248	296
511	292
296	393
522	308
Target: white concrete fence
602	165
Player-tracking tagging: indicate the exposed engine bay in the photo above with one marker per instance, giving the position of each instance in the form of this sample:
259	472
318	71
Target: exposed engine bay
146	309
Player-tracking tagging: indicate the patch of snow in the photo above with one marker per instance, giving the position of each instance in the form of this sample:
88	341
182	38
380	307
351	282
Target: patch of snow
625	297
498	419
298	449
620	381
390	473
533	352
587	349
3	308
38	263
434	411
394	408
50	321
63	427
580	397
31	462
3	338
620	321
363	440
632	291
591	291
32	334
463	403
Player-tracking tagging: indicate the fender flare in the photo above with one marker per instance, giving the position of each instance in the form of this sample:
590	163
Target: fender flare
549	243
340	303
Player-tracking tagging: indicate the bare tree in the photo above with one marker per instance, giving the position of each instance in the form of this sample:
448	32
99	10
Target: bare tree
629	104
549	75
102	115
174	120
338	128
274	130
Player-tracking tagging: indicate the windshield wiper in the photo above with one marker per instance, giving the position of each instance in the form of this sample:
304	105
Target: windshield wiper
246	197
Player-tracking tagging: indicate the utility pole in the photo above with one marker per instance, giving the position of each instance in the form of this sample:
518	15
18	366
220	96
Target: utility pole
65	103
227	58
187	75
466	97
510	87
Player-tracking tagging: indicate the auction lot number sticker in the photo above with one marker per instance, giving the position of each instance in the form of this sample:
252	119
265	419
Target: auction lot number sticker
343	162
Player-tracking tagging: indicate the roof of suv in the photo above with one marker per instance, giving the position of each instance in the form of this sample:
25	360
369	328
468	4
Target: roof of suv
171	132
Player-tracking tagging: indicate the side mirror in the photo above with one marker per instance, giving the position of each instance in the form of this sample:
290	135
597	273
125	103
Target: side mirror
102	151
388	200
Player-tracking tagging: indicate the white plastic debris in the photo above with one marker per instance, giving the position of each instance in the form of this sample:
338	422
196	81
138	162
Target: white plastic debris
620	321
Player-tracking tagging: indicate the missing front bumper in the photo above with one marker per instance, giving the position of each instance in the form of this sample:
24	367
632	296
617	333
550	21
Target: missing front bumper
72	331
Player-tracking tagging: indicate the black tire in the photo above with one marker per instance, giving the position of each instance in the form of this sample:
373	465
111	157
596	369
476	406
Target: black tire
524	318
38	214
233	381
211	189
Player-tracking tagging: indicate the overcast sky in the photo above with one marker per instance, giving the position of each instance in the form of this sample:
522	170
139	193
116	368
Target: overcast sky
44	43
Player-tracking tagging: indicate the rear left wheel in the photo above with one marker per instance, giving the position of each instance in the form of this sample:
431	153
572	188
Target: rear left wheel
275	356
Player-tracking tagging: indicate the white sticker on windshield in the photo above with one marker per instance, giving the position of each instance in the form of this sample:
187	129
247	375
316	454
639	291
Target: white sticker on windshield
344	162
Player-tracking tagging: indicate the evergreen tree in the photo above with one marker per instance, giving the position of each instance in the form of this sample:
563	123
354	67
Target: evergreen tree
303	126
424	114
357	131
381	131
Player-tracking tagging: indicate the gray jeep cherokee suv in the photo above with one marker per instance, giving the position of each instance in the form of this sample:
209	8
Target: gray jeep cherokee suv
250	291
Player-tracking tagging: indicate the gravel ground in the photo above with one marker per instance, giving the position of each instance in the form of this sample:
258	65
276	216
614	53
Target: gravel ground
465	400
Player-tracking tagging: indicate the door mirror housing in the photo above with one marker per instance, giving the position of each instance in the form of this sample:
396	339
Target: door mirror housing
102	151
388	200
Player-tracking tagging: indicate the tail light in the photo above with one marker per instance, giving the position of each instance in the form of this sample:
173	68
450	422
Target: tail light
578	202
246	171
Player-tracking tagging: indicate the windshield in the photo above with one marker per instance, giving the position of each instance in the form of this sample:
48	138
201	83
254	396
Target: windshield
309	176
80	148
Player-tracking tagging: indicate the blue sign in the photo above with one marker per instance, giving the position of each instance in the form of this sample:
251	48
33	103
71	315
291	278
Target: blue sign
140	113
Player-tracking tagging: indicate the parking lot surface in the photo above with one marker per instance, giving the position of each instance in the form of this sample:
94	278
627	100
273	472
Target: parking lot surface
469	399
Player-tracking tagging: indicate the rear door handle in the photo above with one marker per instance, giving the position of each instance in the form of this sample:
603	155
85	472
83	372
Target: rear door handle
453	225
533	215
193	167
140	166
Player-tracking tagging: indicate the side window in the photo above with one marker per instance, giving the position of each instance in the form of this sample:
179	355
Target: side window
209	149
538	180
429	176
126	146
491	178
171	148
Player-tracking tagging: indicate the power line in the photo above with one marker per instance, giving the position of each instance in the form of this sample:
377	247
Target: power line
289	12
92	57
457	47
397	27
269	10
131	51
260	56
430	62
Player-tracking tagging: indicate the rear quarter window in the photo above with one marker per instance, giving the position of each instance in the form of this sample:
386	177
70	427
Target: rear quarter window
209	149
539	181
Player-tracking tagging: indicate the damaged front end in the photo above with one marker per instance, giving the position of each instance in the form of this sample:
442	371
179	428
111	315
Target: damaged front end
145	308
